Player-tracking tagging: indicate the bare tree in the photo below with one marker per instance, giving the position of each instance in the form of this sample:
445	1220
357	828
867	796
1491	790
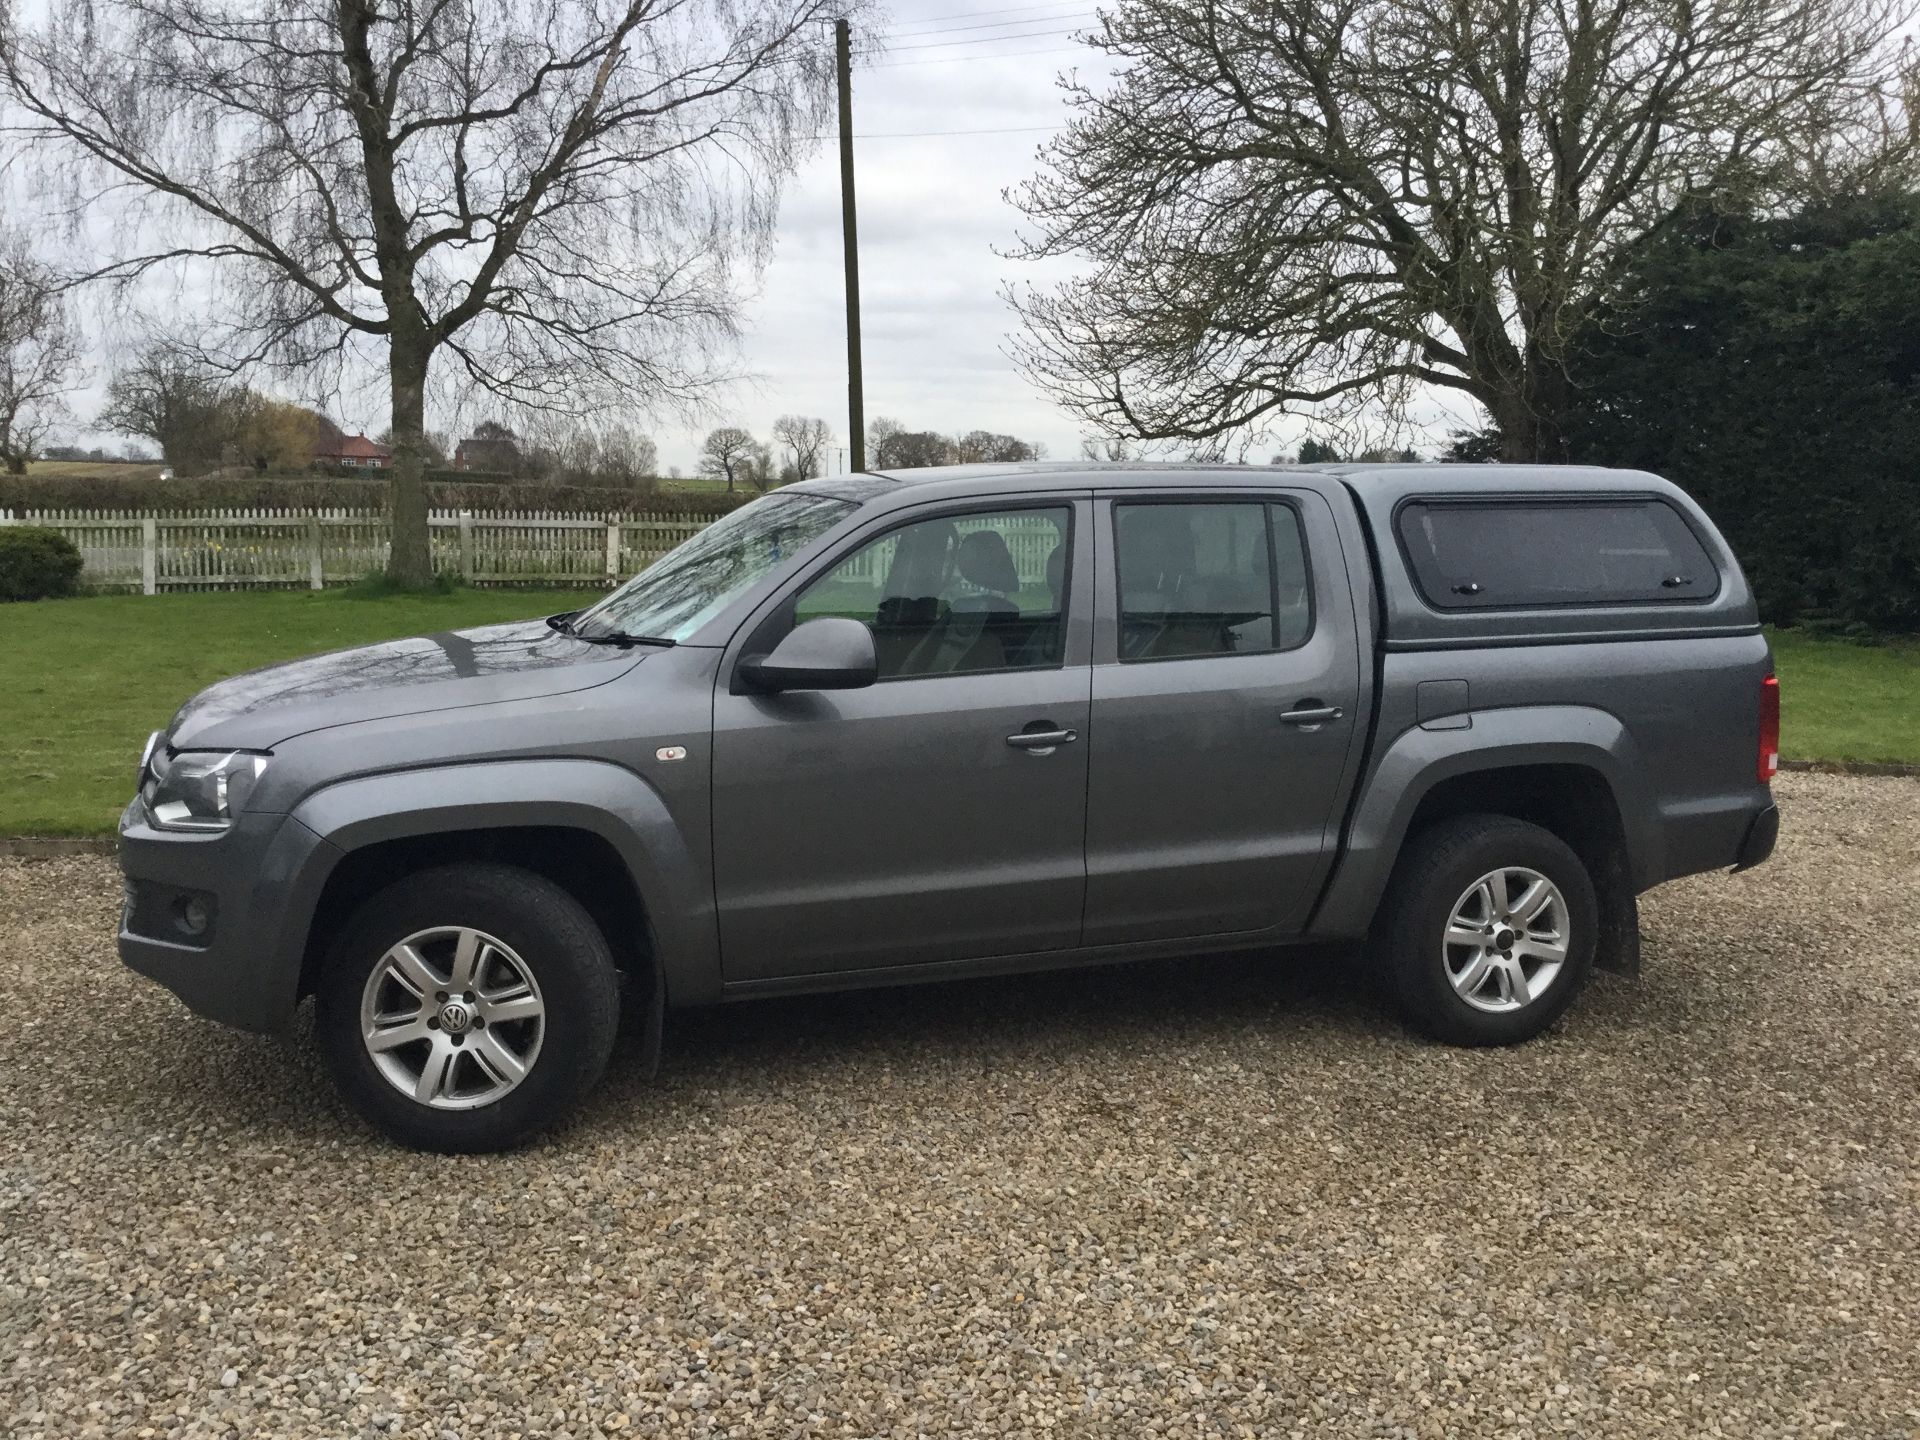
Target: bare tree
806	439
911	450
985	446
727	453
881	433
38	354
759	468
571	452
548	198
1321	205
164	394
1107	447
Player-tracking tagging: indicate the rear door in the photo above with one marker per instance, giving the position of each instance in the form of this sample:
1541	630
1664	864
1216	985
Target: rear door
1225	694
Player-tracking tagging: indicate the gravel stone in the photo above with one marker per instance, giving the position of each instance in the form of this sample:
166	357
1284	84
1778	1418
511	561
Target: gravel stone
1221	1197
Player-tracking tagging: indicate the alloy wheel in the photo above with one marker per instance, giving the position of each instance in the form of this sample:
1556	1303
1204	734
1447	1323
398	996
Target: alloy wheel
452	1018
1506	939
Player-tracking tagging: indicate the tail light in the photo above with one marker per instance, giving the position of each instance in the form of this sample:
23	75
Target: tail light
1769	729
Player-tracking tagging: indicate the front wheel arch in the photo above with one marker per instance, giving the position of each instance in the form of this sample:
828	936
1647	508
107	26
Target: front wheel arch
579	861
600	813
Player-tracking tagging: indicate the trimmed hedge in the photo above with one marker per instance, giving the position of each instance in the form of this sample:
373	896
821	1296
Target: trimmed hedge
301	492
1771	367
37	564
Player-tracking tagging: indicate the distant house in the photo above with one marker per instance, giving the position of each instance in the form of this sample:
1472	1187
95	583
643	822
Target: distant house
496	454
354	452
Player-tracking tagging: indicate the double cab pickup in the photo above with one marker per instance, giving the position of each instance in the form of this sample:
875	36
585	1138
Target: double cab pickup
938	723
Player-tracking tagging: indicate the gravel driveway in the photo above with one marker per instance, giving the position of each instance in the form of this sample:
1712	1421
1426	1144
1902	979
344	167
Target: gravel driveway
1187	1199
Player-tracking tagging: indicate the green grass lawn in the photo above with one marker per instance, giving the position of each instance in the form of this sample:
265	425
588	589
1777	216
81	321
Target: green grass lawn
1848	702
82	682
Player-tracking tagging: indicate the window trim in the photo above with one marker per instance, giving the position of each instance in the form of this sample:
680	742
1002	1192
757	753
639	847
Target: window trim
1587	498
959	510
1265	501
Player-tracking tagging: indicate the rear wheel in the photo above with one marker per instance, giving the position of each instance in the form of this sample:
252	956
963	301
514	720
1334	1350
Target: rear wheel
1488	930
467	1007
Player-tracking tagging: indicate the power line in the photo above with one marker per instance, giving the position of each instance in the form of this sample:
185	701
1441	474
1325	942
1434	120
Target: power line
981	14
959	59
1071	9
942	134
988	39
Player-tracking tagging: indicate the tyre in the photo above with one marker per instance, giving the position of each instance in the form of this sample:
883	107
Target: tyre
466	1008
1488	930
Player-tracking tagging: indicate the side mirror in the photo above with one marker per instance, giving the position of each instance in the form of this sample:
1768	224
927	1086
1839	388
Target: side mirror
831	653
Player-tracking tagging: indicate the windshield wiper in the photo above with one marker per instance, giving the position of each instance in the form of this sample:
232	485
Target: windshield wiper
564	624
621	638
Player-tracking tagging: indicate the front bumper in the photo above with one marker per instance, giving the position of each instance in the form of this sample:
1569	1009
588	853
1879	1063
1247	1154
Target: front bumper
256	884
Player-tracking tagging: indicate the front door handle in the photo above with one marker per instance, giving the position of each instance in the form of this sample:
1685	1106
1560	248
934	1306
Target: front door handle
1311	714
1042	739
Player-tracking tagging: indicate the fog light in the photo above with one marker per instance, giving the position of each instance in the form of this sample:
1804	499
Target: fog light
192	915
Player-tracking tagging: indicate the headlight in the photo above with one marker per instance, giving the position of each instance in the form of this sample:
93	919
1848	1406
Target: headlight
200	790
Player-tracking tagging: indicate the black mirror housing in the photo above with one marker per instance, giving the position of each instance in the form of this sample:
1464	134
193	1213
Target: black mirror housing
831	653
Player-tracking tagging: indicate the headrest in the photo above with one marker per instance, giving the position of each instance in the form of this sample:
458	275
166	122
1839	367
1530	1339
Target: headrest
1155	549
985	561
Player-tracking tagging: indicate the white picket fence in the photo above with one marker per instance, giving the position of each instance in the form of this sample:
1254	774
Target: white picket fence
291	549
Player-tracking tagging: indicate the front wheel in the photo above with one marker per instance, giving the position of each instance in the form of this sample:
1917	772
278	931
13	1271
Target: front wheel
1488	930
467	1007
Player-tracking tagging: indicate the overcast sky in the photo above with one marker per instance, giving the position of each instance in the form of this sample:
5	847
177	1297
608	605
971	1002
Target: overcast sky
934	219
949	116
932	216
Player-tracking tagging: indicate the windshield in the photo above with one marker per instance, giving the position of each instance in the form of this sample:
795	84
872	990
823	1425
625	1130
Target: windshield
689	585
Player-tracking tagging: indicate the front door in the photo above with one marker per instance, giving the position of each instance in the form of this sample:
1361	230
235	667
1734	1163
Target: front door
1224	714
939	814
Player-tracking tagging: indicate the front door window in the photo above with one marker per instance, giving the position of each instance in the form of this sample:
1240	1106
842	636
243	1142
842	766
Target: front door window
959	593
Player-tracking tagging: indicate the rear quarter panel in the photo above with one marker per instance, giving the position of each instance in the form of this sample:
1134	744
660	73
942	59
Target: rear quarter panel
1662	700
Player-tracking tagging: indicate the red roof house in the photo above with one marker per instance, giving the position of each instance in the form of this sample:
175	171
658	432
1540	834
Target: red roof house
355	452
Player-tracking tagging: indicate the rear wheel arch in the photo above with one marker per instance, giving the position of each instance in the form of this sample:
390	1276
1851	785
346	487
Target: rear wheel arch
1573	770
1571	800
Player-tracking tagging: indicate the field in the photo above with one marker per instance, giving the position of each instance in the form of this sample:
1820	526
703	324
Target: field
88	679
1840	701
118	469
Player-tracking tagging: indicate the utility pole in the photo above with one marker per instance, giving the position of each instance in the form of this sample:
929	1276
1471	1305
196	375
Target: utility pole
856	389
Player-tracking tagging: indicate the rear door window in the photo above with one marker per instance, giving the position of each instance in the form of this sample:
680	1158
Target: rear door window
1210	577
1523	554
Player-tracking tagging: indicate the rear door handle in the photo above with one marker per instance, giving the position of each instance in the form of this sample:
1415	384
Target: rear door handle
1311	715
1042	739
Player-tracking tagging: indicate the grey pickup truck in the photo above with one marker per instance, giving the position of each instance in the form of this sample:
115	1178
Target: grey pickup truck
954	722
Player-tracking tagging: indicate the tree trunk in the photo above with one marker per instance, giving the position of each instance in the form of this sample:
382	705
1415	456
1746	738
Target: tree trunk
1533	425
410	563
